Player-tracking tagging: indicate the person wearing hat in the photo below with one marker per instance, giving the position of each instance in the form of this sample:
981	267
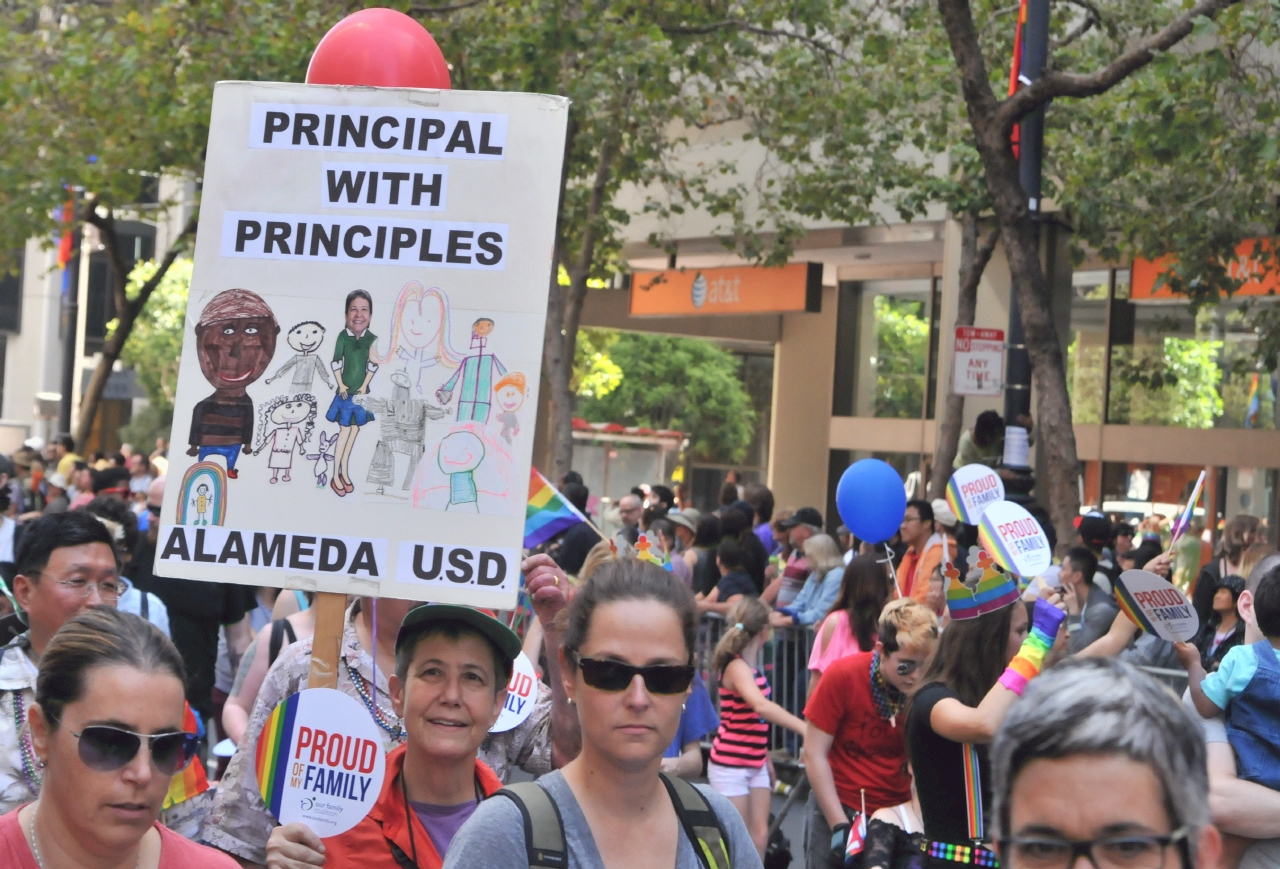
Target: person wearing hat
453	664
56	500
1094	532
800	526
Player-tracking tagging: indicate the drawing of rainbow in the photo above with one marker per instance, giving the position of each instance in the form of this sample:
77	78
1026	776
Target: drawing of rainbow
1130	608
272	760
211	474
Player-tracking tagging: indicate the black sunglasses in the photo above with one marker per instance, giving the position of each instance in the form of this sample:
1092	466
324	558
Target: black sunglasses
153	509
616	676
107	749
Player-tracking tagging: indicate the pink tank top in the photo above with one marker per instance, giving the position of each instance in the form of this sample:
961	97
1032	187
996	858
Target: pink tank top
842	643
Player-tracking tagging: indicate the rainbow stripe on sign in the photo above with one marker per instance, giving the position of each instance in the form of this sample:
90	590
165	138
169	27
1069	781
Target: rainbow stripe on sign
956	503
272	760
990	541
1130	608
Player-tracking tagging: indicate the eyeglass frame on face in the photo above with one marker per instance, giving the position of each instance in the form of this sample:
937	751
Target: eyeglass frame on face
118	591
1078	848
908	518
190	740
643	672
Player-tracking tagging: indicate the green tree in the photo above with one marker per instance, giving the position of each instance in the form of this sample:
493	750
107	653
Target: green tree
1174	383
154	348
595	374
685	384
912	112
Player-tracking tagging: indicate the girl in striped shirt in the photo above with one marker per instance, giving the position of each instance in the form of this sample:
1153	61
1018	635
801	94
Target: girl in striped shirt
739	754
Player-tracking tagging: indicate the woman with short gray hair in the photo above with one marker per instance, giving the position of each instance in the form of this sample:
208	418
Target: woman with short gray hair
1099	760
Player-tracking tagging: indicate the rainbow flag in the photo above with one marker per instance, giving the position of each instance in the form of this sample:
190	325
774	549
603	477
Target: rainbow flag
1183	522
1255	404
192	781
548	513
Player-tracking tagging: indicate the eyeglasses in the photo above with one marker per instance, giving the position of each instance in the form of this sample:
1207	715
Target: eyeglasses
107	749
108	589
906	668
1118	852
617	676
153	509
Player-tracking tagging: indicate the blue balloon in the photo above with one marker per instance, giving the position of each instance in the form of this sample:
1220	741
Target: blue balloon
871	500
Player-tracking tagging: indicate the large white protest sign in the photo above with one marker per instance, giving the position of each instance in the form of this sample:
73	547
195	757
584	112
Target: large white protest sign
1015	539
363	341
522	693
971	490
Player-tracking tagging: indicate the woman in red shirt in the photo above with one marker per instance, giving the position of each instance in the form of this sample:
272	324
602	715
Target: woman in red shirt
106	729
855	754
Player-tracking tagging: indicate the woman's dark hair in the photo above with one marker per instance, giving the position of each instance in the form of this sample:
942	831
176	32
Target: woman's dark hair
665	496
576	494
708	533
728	494
1141	554
358	294
971	655
42	536
730	553
760	499
864	590
1237	534
734	522
622	580
988	428
99	637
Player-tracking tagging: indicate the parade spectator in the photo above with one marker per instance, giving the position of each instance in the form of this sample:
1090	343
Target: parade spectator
453	664
81	490
738	766
1238	534
734	581
1098	761
65	564
982	666
799	526
240	824
56	500
852	758
629	645
664	532
850	627
826	571
705	544
1094	533
924	549
735	522
575	543
64	454
1122	534
683	756
139	475
262	652
123	526
1224	630
109	683
630	511
1246	687
761	501
981	445
1090	610
111	482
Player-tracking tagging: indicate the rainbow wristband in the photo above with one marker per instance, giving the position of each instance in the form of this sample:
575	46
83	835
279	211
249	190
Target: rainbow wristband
1026	664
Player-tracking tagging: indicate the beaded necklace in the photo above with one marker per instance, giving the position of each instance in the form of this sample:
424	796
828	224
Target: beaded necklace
380	717
29	773
888	699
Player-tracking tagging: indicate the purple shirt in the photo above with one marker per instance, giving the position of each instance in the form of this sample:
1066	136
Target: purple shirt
765	533
443	822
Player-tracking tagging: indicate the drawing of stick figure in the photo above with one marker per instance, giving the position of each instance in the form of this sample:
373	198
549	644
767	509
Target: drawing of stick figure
460	454
201	503
305	338
509	392
294	418
477	374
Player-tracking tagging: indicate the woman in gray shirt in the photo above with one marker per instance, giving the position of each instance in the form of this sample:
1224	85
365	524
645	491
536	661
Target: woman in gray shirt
628	652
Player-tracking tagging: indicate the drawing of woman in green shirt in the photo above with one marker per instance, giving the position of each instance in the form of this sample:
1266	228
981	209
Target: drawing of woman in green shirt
353	369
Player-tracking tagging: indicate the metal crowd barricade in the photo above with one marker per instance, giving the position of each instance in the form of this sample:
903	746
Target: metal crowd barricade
785	662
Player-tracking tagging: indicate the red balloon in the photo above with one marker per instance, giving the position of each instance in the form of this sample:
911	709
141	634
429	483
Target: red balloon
381	48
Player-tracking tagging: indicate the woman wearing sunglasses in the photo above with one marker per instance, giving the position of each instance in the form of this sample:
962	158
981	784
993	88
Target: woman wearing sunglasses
107	730
628	646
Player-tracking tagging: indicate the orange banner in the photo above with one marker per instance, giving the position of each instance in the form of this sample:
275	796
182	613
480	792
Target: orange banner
735	290
1257	280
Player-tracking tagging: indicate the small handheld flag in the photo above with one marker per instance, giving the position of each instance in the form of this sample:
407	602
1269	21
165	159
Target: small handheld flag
1184	521
548	512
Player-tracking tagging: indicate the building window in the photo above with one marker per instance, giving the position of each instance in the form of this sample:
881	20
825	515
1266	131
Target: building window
11	296
137	244
886	349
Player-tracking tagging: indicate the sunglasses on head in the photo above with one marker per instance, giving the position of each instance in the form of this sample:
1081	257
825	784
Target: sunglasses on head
617	676
107	749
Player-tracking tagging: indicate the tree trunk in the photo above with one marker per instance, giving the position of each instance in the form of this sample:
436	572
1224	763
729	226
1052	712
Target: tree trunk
1020	235
974	256
564	304
127	310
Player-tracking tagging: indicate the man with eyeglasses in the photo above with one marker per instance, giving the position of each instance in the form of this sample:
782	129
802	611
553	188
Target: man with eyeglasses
1099	761
65	564
854	749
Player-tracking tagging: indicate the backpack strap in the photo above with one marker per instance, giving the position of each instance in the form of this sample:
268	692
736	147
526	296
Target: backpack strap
700	822
280	628
543	826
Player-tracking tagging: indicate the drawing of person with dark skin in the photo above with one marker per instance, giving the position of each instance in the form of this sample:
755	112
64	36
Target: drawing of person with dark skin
235	340
353	369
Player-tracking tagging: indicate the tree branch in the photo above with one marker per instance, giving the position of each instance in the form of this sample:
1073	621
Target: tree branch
442	10
736	24
1055	84
966	48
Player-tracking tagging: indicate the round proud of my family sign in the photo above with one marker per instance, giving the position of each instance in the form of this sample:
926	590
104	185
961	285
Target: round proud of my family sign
1156	606
522	693
972	490
1015	539
320	761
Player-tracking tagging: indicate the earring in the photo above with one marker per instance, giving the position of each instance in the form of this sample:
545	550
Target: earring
570	700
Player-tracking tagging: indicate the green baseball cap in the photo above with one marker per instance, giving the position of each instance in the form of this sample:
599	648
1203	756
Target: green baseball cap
423	617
